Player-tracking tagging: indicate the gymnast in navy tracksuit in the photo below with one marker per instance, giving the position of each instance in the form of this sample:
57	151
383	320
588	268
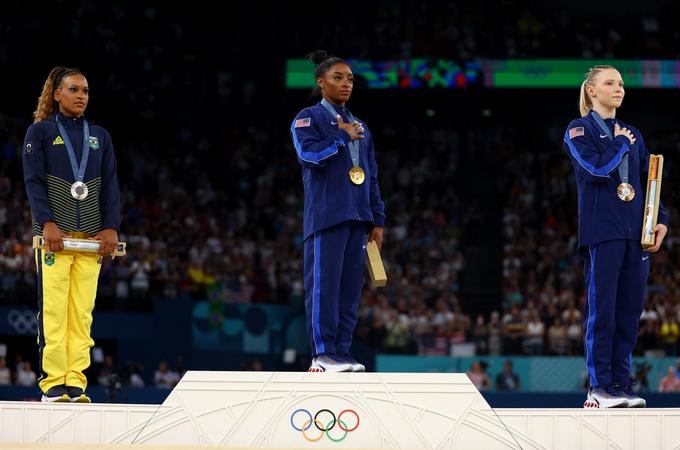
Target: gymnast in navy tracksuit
342	209
611	164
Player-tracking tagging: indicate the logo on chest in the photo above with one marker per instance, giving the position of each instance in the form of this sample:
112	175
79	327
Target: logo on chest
58	141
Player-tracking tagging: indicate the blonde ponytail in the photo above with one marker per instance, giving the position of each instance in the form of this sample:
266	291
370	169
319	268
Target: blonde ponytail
585	104
47	105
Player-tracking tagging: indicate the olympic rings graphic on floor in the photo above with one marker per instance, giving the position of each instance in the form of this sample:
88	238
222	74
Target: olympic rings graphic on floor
23	322
317	421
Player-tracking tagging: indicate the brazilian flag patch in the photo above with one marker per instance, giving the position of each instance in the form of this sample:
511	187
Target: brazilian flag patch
49	258
94	143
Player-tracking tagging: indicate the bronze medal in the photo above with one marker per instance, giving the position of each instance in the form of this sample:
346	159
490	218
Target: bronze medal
357	175
625	192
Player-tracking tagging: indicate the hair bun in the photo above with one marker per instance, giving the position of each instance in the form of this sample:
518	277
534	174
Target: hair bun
318	56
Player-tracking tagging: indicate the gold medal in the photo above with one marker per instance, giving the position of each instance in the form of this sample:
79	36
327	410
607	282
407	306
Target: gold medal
625	192
357	175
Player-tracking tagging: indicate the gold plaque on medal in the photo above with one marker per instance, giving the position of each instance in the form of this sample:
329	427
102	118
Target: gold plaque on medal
357	175
651	211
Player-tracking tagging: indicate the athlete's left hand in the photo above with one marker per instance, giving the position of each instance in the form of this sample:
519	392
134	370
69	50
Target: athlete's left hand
660	230
376	235
108	239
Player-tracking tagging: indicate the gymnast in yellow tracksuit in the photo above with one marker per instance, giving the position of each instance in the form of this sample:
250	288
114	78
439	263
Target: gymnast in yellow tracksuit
72	187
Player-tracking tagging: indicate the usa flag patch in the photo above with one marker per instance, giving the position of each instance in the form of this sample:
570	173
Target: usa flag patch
303	122
576	132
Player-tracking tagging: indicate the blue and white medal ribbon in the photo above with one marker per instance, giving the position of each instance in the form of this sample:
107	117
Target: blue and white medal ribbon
356	173
78	188
624	190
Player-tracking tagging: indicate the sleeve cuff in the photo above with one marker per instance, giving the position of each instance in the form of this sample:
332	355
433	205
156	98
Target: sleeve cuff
379	220
43	220
111	226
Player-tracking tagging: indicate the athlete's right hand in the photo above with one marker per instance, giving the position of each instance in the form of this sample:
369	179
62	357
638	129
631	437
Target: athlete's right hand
54	237
618	131
354	129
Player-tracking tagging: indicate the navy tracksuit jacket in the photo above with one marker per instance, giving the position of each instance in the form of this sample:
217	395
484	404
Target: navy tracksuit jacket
616	267
337	216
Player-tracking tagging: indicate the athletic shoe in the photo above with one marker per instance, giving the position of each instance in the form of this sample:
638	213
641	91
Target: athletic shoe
328	363
609	397
56	394
356	366
77	395
634	400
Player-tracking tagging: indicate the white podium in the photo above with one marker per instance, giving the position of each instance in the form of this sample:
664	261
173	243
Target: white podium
324	410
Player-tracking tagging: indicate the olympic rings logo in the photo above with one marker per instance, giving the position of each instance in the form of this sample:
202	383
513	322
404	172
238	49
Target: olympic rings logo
321	427
23	322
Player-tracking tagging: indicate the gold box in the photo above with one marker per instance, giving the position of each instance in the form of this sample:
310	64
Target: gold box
651	212
375	266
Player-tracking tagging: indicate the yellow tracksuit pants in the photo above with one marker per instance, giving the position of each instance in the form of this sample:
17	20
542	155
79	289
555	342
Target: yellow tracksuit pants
67	287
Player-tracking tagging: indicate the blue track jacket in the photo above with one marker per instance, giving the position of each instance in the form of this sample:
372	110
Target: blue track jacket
48	177
330	196
595	158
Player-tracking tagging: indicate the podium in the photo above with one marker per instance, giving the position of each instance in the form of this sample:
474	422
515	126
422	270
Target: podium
333	410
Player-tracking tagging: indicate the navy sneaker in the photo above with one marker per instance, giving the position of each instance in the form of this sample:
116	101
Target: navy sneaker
634	400
56	394
77	395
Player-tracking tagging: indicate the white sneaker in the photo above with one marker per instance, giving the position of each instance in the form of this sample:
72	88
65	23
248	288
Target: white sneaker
634	400
327	363
356	365
612	397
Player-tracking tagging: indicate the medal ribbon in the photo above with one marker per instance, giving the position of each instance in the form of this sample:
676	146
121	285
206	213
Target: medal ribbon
353	145
78	172
623	167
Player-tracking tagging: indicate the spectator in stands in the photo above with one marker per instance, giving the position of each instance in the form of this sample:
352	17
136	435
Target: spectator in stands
478	375
107	370
513	329
669	333
535	330
507	380
164	377
558	338
671	382
495	334
5	373
480	336
25	375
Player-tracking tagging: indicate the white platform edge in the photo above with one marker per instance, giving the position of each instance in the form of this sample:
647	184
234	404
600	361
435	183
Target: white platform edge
31	422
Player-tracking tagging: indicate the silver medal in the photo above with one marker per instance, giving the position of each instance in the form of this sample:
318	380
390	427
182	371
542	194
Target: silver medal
79	190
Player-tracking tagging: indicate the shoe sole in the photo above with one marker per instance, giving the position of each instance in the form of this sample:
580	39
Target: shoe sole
592	403
82	399
62	399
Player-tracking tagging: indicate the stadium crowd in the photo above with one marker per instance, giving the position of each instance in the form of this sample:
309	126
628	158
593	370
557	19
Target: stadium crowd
212	199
